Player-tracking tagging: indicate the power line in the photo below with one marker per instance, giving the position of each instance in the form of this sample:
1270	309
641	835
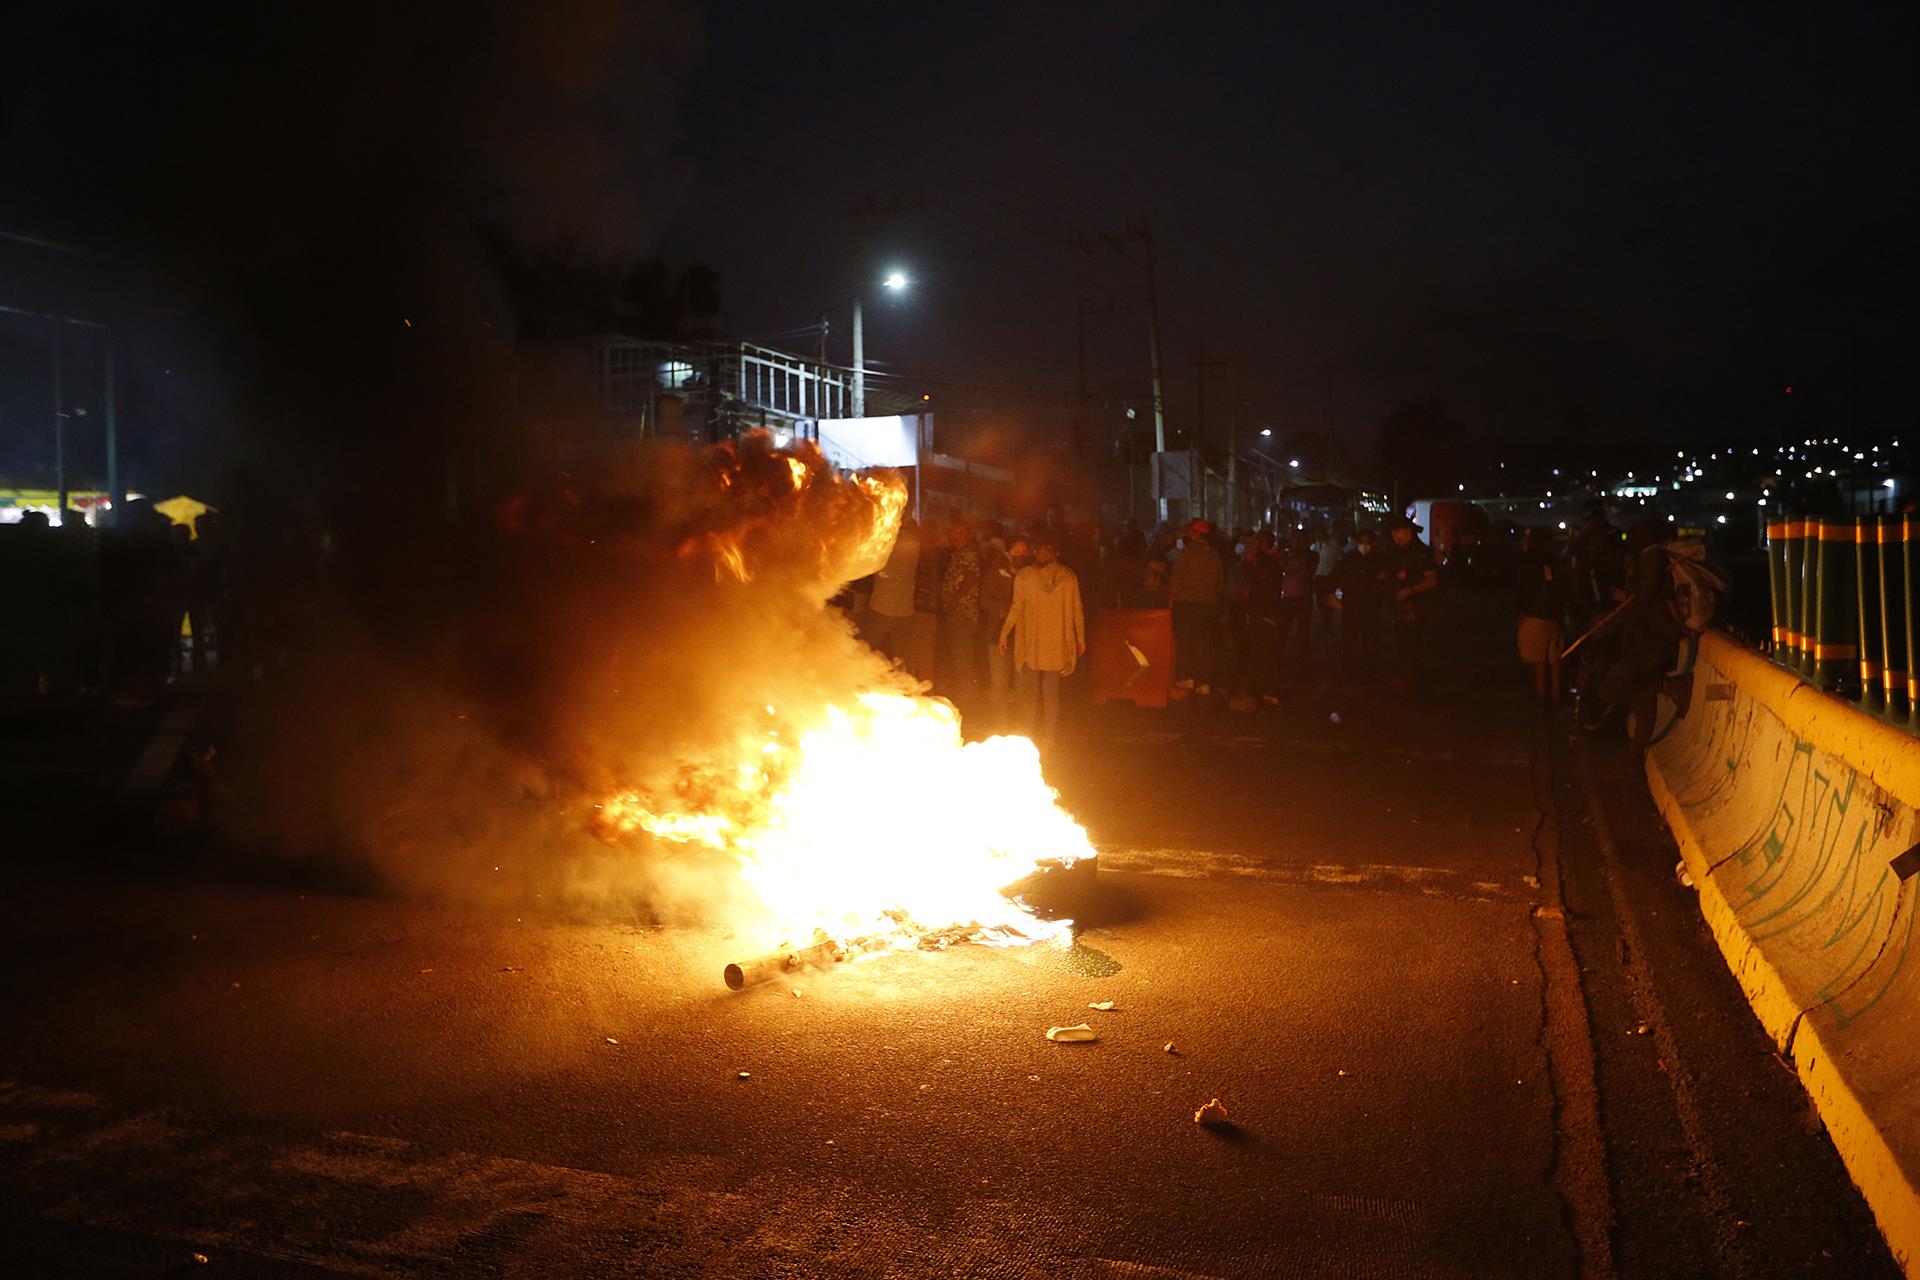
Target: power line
55	245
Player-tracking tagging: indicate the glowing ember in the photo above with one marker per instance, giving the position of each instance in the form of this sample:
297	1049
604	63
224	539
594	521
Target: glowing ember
876	822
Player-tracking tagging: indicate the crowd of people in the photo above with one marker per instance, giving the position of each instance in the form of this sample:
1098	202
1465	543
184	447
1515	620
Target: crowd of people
995	619
133	608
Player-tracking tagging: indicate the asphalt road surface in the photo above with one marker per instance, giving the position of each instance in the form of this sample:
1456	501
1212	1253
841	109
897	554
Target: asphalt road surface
1433	961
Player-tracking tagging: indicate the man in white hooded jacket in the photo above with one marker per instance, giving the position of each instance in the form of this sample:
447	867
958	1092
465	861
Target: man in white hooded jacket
1049	632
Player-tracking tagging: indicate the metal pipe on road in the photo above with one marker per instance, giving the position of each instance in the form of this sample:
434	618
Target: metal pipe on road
746	973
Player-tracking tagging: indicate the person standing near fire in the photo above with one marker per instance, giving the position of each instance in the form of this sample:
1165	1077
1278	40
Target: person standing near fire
1413	575
924	643
999	564
960	614
889	623
1360	590
1541	589
1048	630
1198	583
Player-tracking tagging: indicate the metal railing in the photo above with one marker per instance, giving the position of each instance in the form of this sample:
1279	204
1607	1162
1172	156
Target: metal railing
1845	593
776	384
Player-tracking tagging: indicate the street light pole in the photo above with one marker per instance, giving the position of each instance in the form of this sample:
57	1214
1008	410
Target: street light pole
59	425
895	281
859	362
115	499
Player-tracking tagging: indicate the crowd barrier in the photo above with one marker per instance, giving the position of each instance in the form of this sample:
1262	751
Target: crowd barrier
1845	592
1130	655
1798	817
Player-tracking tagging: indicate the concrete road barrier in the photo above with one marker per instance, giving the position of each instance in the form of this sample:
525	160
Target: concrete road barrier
1798	817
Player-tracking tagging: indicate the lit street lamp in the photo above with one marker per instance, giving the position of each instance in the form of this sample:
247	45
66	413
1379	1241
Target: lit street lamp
896	281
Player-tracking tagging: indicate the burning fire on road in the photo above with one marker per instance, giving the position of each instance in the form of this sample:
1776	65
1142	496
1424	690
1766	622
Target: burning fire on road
638	702
855	818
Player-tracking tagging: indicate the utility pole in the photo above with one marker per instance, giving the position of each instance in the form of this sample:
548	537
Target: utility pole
1205	370
1140	233
1153	340
859	362
1086	311
59	424
115	499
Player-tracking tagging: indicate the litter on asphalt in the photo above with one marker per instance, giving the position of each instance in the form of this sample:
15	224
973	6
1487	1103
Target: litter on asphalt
1071	1035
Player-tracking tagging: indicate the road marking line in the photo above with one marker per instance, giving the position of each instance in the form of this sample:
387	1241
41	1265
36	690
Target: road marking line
1317	747
1730	1250
1579	1172
1205	864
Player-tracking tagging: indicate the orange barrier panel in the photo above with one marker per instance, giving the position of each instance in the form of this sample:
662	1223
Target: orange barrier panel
1118	675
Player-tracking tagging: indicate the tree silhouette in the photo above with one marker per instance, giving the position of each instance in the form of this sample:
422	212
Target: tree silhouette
565	294
1421	450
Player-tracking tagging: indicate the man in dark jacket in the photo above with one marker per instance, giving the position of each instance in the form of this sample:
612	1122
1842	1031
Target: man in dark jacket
960	615
1650	630
1413	575
1540	590
1196	589
998	565
1257	593
1360	579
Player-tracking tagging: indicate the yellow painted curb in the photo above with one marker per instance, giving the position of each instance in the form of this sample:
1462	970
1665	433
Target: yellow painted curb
1891	760
1889	1189
1766	990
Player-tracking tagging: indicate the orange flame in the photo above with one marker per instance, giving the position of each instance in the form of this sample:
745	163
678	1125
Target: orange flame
874	821
861	812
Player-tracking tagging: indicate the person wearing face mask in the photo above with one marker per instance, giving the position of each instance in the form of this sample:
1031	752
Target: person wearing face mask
1153	587
999	562
1049	633
1293	647
1196	589
1361	582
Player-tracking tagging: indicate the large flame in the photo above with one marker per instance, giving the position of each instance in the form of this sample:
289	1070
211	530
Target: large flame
860	812
875	823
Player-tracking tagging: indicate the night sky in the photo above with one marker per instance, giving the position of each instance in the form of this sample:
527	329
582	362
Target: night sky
1614	224
1655	219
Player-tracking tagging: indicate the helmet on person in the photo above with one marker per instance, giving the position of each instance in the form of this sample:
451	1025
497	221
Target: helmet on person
1199	529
